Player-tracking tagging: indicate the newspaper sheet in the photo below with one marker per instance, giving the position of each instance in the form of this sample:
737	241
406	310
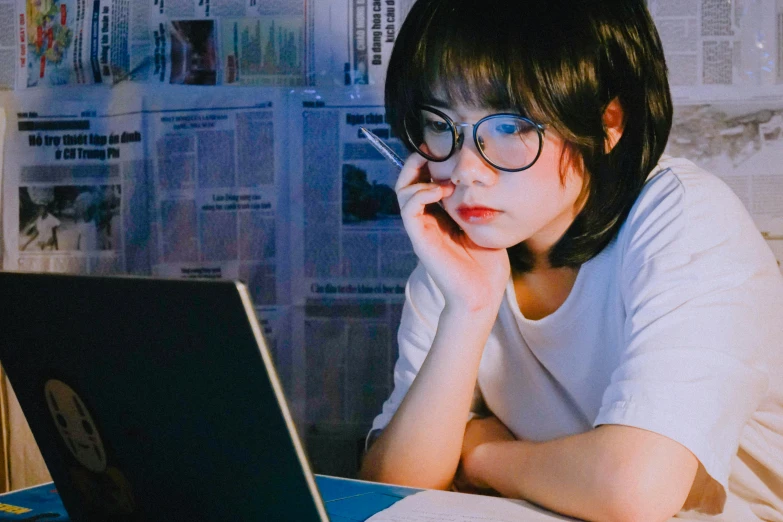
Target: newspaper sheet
354	39
73	185
352	258
721	48
345	209
711	45
50	43
218	197
220	203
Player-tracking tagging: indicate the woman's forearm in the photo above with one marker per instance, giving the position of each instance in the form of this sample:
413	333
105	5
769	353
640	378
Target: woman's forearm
609	473
422	443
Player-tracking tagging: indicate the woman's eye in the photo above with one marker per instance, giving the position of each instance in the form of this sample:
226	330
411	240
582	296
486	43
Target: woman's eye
512	127
436	126
507	128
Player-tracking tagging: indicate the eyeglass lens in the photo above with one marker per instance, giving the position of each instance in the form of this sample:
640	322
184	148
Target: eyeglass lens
507	141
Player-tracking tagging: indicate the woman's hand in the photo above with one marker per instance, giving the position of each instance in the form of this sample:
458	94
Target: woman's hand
477	432
469	275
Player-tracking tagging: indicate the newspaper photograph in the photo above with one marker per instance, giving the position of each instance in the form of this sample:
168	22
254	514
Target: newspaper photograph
266	51
224	42
73	42
73	195
88	220
220	203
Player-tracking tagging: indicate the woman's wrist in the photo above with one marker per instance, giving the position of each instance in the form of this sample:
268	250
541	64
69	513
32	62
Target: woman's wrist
474	464
465	326
484	298
474	309
485	467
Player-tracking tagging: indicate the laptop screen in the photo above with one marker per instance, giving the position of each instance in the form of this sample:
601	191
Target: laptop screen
153	399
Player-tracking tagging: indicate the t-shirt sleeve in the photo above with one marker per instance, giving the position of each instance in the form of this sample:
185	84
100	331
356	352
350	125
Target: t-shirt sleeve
699	288
420	313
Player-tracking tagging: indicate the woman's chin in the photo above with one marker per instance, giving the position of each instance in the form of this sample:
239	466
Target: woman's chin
492	241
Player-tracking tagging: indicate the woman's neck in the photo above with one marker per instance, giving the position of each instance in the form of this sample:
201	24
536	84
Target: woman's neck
541	291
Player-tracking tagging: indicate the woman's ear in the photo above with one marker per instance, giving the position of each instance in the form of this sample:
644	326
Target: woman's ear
614	123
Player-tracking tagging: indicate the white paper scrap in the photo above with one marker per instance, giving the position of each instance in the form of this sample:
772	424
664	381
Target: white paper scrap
447	506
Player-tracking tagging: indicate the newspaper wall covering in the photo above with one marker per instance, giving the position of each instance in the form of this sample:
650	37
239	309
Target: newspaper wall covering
220	139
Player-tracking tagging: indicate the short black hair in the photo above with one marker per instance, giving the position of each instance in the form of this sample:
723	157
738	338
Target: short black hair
559	62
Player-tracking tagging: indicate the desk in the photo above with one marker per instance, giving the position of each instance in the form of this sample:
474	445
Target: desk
41	503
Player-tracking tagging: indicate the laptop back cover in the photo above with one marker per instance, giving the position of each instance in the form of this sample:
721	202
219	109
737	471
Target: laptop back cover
153	399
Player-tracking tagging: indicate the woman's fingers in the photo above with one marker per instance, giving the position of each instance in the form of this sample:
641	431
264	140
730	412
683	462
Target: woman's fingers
405	194
413	195
423	195
411	172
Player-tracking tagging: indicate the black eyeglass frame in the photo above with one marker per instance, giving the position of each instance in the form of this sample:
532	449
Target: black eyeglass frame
457	139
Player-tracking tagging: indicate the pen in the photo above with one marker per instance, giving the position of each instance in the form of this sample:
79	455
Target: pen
385	150
381	147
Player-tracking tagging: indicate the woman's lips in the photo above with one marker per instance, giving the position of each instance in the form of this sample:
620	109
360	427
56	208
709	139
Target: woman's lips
477	215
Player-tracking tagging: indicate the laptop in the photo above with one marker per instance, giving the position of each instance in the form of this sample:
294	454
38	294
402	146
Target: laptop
153	399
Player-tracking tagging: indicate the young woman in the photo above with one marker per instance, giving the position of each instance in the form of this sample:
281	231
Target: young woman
615	311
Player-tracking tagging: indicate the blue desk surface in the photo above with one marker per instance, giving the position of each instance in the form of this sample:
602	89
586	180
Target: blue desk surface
346	500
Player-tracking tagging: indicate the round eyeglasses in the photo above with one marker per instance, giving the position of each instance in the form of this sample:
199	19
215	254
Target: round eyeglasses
508	142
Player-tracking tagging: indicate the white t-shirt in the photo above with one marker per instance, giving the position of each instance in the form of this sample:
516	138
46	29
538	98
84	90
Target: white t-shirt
45	227
675	327
88	236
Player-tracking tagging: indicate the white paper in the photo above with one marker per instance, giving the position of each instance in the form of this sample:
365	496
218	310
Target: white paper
446	506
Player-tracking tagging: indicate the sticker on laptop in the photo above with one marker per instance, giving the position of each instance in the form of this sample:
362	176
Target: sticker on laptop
75	425
104	488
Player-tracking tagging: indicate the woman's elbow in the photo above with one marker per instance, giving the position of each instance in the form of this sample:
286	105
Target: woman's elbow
374	469
625	509
646	497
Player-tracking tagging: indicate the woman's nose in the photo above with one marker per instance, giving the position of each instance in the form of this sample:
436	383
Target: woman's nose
471	168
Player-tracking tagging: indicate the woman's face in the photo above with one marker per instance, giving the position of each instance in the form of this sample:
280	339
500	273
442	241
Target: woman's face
499	209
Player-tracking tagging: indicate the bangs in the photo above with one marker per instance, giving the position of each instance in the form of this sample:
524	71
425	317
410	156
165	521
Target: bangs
535	61
452	63
457	71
